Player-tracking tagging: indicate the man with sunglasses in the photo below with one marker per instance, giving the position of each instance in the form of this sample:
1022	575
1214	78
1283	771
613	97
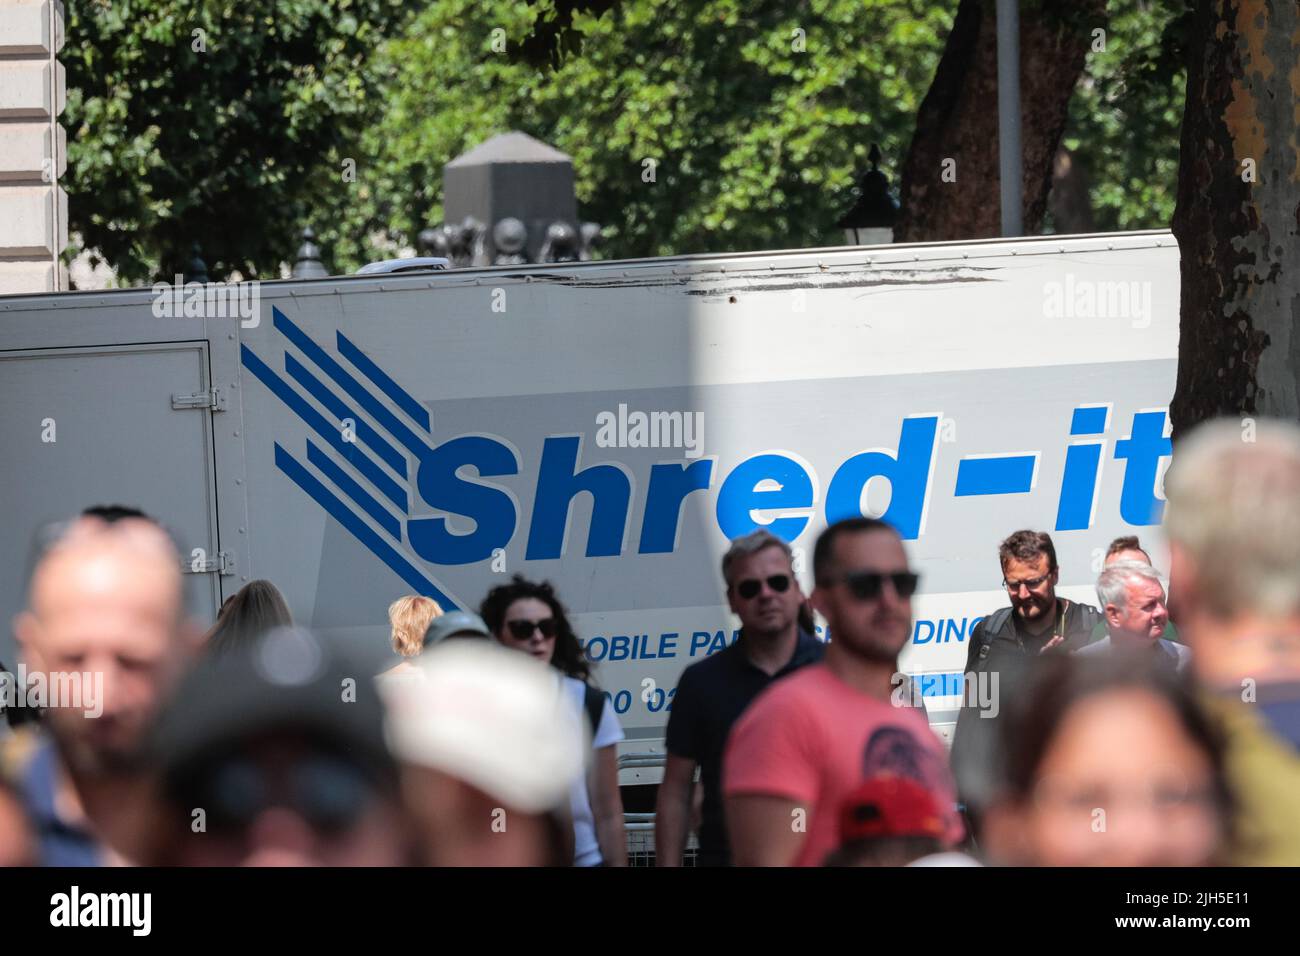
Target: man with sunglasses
807	743
712	694
273	754
1001	653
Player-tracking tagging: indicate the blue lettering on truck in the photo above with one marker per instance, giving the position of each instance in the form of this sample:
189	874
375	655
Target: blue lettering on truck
449	478
561	478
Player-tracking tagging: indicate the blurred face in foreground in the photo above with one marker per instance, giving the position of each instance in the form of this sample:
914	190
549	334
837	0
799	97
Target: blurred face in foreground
1121	784
284	802
459	825
106	604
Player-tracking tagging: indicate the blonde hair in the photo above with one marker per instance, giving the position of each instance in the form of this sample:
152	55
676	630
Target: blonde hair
410	617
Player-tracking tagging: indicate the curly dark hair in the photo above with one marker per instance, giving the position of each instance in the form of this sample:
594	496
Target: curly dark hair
1027	546
569	657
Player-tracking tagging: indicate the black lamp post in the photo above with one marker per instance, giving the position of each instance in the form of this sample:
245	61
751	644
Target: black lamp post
308	264
871	220
196	270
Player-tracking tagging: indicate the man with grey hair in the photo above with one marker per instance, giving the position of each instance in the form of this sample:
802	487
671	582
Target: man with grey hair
712	694
1129	548
1133	607
1233	526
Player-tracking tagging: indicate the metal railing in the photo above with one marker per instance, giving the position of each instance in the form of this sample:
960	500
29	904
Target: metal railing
640	827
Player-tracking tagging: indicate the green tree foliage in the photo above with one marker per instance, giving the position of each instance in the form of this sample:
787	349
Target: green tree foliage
1127	112
756	115
228	136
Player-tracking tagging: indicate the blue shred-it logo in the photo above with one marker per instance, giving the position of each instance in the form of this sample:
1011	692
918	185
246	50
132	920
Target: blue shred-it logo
360	473
377	438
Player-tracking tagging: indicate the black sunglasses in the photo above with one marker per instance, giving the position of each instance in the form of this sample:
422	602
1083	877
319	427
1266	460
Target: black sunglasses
867	585
328	793
749	588
523	630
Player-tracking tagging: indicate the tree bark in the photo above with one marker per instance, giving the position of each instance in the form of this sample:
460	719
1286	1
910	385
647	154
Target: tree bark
1239	352
1070	198
958	119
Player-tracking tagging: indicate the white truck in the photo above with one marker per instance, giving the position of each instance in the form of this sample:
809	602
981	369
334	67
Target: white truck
609	426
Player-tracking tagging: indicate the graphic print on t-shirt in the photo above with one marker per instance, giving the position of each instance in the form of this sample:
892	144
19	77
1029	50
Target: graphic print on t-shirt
895	750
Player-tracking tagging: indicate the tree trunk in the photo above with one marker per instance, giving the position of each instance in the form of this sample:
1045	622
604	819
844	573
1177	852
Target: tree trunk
1239	352
959	119
1070	198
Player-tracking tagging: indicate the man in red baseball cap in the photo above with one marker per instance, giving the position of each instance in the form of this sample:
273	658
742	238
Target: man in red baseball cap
888	820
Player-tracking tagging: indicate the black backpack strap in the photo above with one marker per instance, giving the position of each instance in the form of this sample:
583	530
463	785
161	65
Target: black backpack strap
1089	618
993	625
996	622
1090	615
982	635
593	702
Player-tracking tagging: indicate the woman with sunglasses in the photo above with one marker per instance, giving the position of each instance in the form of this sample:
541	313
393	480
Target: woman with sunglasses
528	617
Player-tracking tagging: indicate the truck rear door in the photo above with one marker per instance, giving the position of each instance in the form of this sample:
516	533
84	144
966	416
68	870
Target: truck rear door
124	424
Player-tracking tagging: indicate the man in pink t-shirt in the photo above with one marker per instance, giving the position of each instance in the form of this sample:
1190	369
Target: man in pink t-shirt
805	744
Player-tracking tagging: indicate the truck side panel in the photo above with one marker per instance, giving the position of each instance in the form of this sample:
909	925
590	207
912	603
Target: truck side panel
609	426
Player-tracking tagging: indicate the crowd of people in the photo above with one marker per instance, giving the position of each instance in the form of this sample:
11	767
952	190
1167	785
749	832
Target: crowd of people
1159	728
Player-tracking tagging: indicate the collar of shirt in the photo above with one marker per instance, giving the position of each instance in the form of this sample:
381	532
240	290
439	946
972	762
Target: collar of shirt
1037	642
806	650
1159	649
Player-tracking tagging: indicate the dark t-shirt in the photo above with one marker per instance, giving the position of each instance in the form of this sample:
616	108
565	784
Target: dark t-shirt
998	649
711	695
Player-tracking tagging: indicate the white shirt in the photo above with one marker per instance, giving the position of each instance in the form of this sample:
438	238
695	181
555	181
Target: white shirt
586	848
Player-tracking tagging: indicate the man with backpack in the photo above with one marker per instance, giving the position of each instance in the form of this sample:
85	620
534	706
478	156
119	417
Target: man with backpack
1001	654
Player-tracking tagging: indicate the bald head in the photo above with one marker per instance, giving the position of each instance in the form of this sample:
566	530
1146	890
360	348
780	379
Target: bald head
105	603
